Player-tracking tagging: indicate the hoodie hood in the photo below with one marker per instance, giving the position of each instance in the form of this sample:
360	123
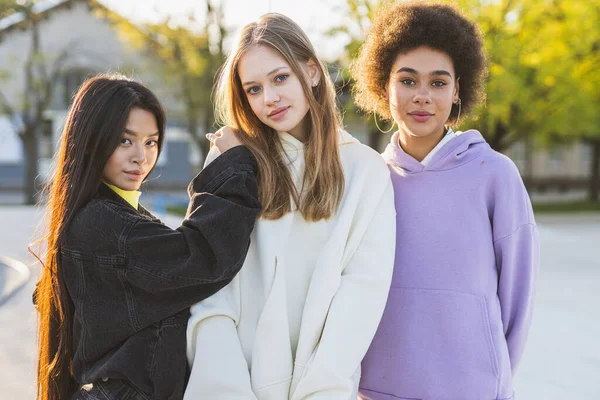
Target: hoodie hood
460	150
291	143
346	138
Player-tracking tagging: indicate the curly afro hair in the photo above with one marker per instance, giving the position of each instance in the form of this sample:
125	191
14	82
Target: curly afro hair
401	27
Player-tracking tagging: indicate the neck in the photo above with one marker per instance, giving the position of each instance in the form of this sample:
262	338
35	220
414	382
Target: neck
130	196
419	146
299	132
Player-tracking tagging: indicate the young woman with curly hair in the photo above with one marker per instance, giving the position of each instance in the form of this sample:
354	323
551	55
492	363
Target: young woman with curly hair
467	256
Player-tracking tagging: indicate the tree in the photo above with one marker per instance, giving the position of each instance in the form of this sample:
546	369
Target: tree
41	72
358	16
542	83
551	78
190	57
564	44
7	7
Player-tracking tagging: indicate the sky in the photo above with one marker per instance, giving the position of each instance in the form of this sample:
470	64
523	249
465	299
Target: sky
314	16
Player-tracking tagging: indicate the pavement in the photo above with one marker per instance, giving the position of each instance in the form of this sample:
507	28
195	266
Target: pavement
562	359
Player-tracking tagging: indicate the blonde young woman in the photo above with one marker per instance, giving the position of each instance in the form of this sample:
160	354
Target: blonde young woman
298	319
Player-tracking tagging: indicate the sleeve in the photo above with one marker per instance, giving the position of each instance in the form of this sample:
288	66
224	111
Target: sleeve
177	268
516	246
214	350
357	307
517	258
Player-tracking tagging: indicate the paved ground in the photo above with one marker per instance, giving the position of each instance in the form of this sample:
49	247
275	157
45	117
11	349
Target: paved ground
17	316
562	360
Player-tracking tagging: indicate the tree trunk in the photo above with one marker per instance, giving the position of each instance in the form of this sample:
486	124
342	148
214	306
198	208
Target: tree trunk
192	127
208	127
30	147
594	183
201	144
496	140
31	116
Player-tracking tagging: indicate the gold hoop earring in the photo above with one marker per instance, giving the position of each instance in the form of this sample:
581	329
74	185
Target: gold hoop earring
459	110
377	125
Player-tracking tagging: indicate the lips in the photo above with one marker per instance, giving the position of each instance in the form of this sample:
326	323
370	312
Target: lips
135	174
421	116
278	113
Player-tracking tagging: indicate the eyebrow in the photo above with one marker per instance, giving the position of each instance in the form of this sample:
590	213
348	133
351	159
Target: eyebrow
269	74
433	73
130	132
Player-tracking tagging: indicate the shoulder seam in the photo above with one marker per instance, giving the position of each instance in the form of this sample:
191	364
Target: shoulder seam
113	207
516	230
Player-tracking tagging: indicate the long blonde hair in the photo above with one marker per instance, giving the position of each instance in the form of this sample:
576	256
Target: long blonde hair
323	184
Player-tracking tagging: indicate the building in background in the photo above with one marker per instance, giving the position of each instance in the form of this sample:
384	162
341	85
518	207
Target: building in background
85	31
88	31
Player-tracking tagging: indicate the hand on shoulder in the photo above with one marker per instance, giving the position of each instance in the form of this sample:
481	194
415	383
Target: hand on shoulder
225	138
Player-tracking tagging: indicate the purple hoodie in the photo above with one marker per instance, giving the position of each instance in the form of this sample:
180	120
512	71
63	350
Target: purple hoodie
467	258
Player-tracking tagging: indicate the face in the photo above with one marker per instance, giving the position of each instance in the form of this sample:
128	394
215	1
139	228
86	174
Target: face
274	91
421	91
136	153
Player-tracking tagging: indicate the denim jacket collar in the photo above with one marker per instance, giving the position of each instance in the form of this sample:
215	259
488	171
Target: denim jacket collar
107	193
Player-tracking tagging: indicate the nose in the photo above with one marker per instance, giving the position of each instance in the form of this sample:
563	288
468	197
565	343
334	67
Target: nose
422	95
270	95
139	154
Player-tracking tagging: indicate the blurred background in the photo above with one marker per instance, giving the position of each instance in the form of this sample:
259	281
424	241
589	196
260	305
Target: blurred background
542	110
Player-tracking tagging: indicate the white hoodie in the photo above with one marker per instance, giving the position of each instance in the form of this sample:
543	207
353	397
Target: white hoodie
299	317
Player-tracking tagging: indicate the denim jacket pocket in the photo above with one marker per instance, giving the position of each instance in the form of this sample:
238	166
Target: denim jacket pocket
109	389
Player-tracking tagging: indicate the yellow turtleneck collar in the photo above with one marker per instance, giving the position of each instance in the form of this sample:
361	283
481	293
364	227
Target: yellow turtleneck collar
130	196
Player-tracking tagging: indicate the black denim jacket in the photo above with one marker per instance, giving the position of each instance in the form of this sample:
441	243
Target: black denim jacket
132	279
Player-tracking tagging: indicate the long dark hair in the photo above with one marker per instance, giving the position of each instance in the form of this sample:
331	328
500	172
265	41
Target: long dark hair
92	132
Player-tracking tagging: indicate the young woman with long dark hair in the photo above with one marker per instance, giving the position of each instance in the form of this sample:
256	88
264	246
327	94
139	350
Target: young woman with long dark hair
116	284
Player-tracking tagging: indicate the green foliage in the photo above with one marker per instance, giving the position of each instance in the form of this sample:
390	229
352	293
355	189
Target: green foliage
8	7
189	60
541	81
563	47
357	20
543	56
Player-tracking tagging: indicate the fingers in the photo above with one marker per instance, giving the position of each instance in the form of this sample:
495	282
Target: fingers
225	138
211	137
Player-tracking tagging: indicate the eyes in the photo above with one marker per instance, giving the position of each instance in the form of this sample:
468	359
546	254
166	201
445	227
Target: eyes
150	142
411	82
281	78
